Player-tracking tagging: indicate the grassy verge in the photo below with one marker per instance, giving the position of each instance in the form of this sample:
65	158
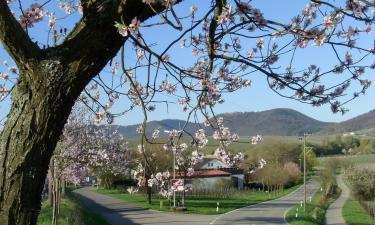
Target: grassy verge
71	213
306	218
354	214
201	205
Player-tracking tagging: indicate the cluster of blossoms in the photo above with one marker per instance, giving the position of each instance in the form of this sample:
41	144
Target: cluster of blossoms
161	180
226	15
223	133
31	15
261	164
86	147
200	139
125	30
231	160
256	139
69	6
6	78
166	86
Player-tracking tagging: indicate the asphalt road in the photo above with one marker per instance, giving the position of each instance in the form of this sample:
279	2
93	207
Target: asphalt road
117	212
271	213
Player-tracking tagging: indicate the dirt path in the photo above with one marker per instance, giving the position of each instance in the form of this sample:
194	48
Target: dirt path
334	212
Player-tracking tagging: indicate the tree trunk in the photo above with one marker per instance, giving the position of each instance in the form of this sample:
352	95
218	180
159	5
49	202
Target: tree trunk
41	103
149	194
50	186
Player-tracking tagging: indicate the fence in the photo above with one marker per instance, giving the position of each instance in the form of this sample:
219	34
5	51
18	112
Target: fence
210	193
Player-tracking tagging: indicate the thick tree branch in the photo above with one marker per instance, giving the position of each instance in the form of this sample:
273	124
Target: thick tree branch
95	40
15	40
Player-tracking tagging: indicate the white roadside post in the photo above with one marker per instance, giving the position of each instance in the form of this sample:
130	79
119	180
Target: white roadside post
297	212
217	207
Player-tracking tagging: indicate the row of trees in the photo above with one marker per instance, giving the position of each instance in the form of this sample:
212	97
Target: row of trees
345	145
284	164
84	149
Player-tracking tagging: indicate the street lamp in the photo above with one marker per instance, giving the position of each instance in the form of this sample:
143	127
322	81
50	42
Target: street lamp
174	168
304	168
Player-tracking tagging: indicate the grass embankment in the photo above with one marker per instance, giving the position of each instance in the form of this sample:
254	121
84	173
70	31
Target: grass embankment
354	214
315	210
201	205
72	212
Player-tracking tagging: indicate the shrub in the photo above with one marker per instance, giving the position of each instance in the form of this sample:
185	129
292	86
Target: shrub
363	183
293	173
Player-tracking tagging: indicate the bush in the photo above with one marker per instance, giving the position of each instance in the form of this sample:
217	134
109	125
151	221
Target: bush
363	183
328	175
293	173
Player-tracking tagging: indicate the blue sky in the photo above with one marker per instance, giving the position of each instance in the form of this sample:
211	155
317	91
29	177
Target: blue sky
256	98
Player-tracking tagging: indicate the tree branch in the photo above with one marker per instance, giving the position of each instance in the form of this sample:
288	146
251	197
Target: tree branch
15	40
95	40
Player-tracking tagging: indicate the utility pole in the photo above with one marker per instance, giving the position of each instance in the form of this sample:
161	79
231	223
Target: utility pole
304	169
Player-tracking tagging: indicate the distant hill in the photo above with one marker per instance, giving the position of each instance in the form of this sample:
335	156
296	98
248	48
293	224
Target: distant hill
274	122
280	122
170	124
361	122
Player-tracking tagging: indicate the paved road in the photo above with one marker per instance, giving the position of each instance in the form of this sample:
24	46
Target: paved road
270	213
118	212
334	212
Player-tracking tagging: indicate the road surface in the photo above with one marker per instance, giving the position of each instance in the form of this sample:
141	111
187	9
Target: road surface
118	212
271	213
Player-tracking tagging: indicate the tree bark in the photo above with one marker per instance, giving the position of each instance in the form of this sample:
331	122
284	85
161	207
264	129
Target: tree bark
50	81
38	113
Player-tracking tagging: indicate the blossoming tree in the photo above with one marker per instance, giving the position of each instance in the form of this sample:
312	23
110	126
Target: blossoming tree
84	148
229	40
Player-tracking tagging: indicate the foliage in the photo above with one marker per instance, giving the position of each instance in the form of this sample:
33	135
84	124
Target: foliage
349	145
354	214
328	177
362	182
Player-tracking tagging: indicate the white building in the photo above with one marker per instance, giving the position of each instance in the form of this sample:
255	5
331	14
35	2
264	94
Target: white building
211	171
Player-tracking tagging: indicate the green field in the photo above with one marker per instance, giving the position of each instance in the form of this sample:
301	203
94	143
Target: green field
199	206
354	214
355	159
71	213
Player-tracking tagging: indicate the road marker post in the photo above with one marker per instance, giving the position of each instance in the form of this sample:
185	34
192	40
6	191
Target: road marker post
217	207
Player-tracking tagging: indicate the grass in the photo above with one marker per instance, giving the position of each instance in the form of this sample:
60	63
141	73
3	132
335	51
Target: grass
71	213
199	206
306	218
354	214
355	159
